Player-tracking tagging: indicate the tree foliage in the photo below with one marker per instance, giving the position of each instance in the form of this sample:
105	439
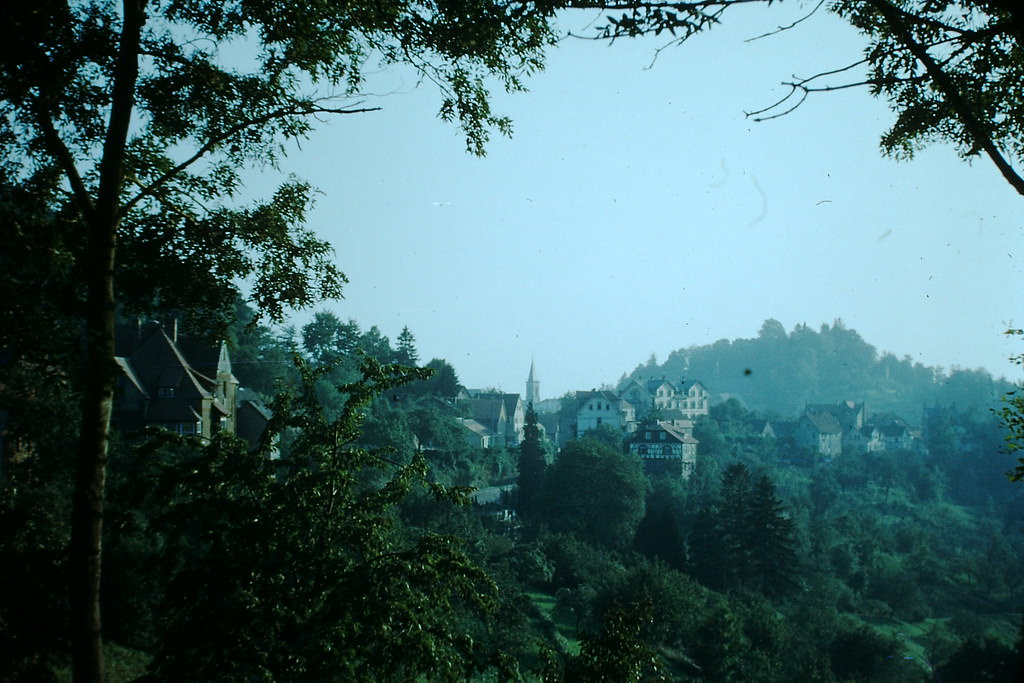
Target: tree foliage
782	373
1011	416
747	539
595	492
532	468
298	568
132	122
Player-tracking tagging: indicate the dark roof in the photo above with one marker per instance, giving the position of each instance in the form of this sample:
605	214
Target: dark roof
675	433
611	396
487	408
511	401
825	423
157	363
845	412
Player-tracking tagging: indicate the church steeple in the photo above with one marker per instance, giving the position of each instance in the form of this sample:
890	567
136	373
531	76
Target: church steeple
532	387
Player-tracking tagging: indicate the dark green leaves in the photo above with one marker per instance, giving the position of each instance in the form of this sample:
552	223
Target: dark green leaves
298	568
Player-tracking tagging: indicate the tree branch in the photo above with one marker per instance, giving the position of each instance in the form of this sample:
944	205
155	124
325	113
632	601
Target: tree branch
126	73
780	29
299	109
800	85
954	97
66	160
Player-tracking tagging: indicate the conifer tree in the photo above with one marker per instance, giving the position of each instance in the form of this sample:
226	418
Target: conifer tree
532	468
771	559
733	520
406	353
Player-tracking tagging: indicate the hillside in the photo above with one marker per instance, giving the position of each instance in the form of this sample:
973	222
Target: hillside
780	372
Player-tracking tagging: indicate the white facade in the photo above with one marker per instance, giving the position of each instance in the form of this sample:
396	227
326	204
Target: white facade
596	408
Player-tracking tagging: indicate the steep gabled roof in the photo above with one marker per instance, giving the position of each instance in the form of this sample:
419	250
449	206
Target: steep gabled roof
489	408
824	423
688	384
674	415
846	412
603	394
630	383
680	435
158	363
653	385
126	368
512	401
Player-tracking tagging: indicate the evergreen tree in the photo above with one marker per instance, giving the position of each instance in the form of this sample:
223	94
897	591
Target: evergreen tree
707	557
405	353
770	548
750	536
532	468
733	519
376	345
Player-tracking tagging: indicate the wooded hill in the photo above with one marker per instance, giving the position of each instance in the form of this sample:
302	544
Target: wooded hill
780	372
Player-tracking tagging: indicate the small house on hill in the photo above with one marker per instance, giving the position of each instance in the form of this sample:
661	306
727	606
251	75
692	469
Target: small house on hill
501	415
665	448
596	408
689	397
820	432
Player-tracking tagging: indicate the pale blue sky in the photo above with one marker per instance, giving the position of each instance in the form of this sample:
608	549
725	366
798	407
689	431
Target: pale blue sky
637	210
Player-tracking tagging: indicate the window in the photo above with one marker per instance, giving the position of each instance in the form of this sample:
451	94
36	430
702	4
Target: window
165	392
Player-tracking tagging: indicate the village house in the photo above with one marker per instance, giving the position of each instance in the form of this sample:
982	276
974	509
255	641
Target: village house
495	419
819	432
689	397
183	386
665	448
846	427
596	408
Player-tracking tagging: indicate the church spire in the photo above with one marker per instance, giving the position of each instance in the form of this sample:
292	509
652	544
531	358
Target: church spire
532	387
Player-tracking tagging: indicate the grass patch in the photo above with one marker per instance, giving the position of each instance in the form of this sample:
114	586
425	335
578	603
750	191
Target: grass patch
565	627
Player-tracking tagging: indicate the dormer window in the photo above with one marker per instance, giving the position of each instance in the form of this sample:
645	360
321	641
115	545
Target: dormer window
165	392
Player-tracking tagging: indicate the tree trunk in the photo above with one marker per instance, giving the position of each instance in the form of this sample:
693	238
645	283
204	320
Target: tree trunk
102	223
90	473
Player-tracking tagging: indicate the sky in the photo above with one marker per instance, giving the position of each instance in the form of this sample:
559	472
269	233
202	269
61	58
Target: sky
638	210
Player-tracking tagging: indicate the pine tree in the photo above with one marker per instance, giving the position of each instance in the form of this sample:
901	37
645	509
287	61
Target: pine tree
771	559
707	559
532	468
733	522
406	353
